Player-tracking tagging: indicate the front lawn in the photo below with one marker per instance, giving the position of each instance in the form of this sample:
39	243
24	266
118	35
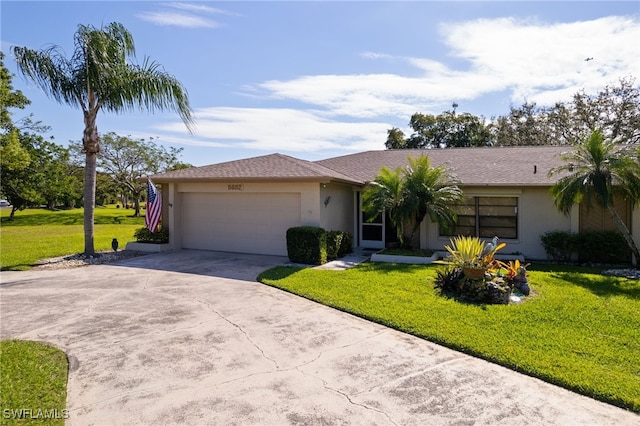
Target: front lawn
36	234
580	330
33	383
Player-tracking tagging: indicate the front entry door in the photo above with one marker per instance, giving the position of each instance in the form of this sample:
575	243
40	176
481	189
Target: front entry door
372	230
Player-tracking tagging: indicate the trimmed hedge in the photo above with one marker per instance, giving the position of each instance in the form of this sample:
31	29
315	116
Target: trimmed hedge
143	235
339	243
589	246
307	244
602	247
558	245
314	246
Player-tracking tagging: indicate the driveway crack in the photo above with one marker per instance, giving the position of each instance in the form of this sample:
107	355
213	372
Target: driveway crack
239	328
337	348
414	374
348	397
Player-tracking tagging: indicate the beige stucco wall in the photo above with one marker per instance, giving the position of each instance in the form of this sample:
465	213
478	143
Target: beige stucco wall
536	215
539	215
172	199
337	207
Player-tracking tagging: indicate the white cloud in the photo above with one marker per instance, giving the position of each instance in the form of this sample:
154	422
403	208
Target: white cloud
544	63
187	15
201	8
375	55
276	130
539	62
177	19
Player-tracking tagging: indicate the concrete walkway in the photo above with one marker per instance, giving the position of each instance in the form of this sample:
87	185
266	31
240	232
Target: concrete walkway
189	338
352	259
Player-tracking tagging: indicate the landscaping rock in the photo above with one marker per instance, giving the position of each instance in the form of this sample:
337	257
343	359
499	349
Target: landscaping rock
632	274
75	260
497	294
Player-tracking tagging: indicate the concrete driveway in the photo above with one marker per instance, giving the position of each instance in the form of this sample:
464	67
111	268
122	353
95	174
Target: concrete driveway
190	338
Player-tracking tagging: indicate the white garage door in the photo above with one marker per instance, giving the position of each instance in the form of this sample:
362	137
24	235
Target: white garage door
239	222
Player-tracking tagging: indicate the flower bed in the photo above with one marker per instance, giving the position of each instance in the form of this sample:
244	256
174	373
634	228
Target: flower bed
472	273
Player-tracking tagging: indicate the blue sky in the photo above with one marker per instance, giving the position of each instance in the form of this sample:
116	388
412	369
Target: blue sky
321	79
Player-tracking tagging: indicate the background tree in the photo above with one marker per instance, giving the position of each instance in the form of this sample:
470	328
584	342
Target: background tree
445	130
524	125
395	139
615	111
126	161
410	194
34	171
597	170
12	155
62	184
100	76
9	98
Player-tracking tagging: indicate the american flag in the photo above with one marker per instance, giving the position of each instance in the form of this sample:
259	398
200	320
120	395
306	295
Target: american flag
154	207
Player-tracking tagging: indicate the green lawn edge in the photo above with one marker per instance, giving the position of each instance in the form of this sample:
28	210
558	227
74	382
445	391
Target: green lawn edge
33	383
559	352
36	234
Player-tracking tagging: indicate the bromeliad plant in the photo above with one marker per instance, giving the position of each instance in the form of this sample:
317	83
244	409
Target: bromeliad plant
472	253
515	274
472	272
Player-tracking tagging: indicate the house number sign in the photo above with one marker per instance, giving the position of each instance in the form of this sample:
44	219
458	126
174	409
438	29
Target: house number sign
235	187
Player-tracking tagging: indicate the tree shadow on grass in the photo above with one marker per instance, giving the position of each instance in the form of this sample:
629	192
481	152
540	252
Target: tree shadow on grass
387	268
16	267
65	218
279	273
601	285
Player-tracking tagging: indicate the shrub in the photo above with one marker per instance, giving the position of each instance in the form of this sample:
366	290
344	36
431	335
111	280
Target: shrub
339	243
602	247
558	245
143	235
307	244
346	245
448	279
334	239
590	246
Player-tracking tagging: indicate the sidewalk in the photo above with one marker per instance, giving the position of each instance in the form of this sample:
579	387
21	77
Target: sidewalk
358	256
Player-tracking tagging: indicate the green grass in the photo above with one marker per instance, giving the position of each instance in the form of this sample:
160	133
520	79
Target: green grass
36	234
580	330
33	383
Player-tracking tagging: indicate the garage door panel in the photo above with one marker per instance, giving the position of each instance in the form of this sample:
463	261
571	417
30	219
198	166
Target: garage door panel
245	222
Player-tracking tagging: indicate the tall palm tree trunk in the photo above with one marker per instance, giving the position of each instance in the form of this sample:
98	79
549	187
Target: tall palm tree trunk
625	233
91	146
89	201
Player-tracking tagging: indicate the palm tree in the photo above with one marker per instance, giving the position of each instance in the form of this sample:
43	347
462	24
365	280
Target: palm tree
99	76
408	195
429	191
597	170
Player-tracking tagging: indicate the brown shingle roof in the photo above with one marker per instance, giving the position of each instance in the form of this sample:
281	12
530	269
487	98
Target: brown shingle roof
266	167
495	166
